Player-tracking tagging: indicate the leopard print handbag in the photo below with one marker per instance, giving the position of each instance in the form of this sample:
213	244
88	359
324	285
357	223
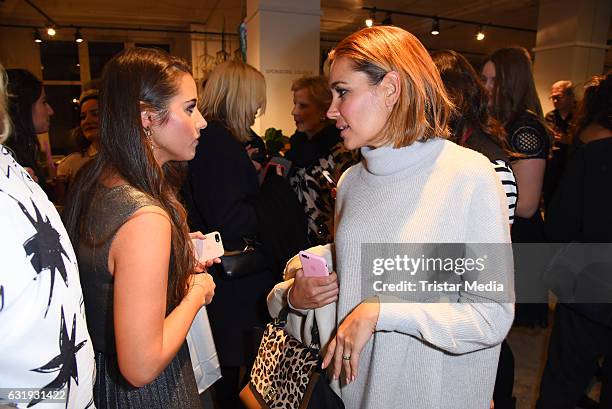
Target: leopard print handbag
287	374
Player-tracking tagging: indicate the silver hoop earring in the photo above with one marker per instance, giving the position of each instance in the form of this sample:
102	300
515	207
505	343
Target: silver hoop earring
148	132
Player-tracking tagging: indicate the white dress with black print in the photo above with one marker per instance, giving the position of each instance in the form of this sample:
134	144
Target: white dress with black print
46	355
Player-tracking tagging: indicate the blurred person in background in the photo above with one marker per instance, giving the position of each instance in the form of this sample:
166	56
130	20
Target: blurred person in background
473	127
507	74
222	181
580	212
316	147
87	135
558	121
31	115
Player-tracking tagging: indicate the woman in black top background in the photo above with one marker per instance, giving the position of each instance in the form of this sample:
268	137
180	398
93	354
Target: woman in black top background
508	76
222	182
580	212
472	126
316	147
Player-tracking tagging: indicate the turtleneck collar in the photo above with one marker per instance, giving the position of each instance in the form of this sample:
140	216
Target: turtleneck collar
386	160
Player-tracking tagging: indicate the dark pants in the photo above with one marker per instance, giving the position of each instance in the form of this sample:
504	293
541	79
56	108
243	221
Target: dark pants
576	345
504	382
225	391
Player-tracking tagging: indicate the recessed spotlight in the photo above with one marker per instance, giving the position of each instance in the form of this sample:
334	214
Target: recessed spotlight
435	27
78	37
369	22
480	35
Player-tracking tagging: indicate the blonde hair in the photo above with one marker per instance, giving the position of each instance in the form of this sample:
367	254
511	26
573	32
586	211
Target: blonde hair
423	108
5	123
232	95
318	88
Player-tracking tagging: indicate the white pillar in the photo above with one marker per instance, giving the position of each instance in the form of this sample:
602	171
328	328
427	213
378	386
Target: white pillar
283	43
570	44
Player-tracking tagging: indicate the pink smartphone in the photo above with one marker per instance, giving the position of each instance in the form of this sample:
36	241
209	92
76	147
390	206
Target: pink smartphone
313	265
209	248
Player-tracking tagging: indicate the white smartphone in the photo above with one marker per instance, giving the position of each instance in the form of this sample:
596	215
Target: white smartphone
313	265
209	248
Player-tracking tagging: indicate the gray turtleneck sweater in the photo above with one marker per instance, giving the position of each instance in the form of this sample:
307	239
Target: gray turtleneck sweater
424	355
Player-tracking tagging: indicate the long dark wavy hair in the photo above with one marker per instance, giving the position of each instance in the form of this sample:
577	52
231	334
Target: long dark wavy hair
514	91
596	105
470	98
24	89
135	80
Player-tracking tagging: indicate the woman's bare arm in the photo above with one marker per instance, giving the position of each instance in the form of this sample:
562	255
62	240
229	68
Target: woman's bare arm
147	340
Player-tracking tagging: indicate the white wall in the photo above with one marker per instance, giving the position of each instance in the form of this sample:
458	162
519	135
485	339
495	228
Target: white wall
570	44
283	43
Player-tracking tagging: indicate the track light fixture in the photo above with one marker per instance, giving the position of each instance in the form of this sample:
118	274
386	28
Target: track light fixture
51	31
369	22
37	37
78	37
435	19
480	35
387	21
435	26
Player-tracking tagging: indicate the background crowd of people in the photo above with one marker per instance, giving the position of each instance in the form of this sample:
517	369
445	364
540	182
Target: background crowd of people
393	145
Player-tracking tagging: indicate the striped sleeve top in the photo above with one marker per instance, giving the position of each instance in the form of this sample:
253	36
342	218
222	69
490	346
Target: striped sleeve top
508	181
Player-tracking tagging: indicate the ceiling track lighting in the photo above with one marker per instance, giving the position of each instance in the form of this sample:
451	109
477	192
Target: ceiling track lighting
387	21
51	31
369	22
78	37
435	19
435	26
37	36
480	35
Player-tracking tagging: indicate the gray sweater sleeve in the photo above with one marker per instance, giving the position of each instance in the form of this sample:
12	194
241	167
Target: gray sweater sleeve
474	320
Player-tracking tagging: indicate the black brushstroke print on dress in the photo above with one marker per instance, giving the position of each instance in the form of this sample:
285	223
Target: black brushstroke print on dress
65	363
44	247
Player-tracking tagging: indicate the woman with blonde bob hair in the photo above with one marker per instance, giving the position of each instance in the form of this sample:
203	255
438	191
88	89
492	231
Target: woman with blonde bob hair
232	95
422	108
425	347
